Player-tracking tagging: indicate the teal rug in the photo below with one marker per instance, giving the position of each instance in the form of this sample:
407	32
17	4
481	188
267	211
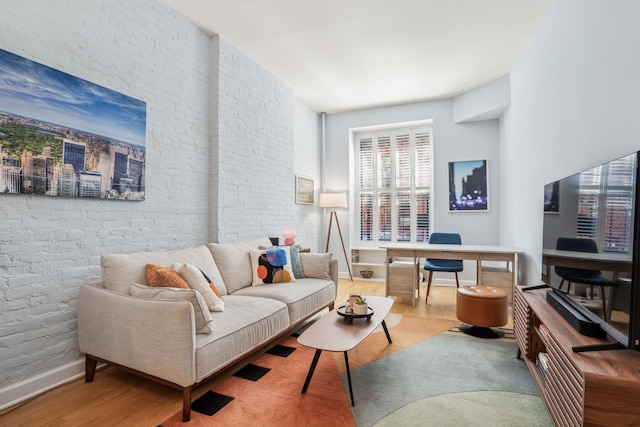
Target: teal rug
449	380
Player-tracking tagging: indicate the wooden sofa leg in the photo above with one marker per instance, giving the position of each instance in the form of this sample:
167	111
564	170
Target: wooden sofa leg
186	404
332	305
89	368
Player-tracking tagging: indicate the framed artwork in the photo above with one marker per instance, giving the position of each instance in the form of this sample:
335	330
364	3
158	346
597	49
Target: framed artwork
468	190
63	136
304	190
552	197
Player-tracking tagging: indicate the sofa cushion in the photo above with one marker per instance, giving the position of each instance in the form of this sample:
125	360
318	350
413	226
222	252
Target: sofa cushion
196	281
163	277
316	265
119	271
302	297
246	323
234	261
271	266
204	322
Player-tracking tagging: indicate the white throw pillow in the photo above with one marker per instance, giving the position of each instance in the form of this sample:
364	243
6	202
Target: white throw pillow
316	265
271	266
196	280
203	319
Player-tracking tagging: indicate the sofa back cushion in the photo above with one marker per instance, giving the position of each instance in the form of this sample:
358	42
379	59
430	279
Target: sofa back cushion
234	261
119	271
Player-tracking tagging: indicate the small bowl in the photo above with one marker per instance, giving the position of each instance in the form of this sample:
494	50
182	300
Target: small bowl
366	274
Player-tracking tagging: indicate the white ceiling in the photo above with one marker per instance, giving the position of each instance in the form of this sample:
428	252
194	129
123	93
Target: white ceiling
340	55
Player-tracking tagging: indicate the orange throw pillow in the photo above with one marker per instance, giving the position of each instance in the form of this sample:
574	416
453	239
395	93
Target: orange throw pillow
163	277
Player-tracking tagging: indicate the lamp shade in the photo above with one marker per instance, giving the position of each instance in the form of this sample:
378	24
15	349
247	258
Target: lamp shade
332	200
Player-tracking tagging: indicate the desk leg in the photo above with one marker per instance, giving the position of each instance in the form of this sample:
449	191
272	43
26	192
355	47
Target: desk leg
312	368
346	362
386	331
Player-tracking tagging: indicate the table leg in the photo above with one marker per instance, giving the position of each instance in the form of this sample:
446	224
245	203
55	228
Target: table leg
386	331
346	362
311	369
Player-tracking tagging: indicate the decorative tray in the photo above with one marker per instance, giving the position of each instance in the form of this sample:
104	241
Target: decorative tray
349	316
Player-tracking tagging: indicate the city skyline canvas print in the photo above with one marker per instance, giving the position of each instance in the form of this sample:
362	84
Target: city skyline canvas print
64	136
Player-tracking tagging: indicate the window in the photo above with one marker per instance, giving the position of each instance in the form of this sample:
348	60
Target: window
605	203
393	185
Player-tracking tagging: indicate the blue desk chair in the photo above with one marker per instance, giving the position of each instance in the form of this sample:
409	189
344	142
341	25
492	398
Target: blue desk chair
446	265
581	275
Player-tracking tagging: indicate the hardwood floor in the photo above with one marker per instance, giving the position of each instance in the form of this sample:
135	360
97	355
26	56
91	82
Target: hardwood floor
117	398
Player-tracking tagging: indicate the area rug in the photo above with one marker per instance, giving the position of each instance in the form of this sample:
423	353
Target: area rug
275	398
451	379
431	375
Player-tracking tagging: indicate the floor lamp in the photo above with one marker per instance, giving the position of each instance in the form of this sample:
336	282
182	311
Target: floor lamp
333	201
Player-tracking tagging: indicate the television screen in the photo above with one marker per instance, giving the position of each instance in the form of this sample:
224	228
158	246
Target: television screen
589	247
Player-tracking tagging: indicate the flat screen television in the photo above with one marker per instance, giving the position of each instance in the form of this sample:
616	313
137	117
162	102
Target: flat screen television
600	204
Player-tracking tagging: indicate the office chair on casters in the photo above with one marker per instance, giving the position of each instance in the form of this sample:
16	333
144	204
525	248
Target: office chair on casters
445	265
581	275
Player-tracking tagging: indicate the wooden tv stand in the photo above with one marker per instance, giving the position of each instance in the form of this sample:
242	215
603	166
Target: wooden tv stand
597	388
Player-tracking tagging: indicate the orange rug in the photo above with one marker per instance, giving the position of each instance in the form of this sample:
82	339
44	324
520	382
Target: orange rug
276	398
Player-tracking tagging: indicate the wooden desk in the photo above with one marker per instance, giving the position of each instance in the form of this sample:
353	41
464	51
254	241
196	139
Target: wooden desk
478	253
616	263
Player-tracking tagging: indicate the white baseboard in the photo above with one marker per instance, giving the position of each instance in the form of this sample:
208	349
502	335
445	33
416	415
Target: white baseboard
32	387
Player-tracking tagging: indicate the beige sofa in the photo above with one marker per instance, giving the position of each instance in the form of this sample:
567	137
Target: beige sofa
162	338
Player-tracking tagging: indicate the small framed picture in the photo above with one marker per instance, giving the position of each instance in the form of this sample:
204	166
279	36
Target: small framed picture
468	190
304	190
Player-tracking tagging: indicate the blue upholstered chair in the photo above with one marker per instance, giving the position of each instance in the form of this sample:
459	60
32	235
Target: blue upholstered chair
445	265
580	275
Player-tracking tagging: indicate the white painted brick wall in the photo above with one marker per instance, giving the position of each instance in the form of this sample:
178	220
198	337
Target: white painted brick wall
49	246
265	137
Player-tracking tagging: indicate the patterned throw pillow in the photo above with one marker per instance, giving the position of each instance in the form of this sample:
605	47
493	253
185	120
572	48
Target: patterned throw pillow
164	277
196	281
271	266
294	256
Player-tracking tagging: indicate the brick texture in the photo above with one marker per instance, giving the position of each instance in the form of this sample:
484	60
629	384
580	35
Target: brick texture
224	141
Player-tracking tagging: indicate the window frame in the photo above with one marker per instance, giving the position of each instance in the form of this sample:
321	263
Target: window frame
598	187
375	135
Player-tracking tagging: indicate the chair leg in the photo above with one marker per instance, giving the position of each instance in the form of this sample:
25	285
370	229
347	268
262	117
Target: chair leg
428	286
560	286
457	281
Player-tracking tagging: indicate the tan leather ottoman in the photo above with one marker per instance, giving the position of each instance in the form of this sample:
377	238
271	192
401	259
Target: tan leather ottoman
482	308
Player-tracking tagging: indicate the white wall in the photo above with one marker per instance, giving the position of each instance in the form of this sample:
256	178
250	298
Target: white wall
196	192
265	137
574	104
49	246
451	142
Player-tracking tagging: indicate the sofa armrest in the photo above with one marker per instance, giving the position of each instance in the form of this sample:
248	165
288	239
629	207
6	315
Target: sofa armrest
333	271
156	337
